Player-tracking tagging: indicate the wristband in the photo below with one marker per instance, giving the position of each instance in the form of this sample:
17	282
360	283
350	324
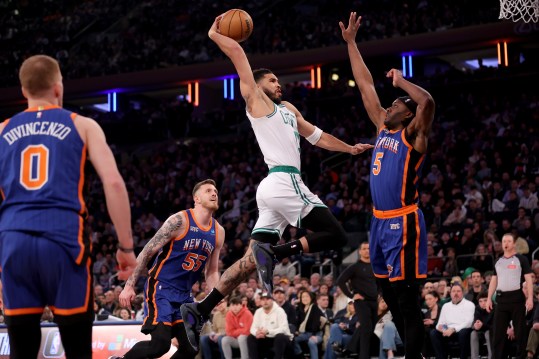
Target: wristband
125	250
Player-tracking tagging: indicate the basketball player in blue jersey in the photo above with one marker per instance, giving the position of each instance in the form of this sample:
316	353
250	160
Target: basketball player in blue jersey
282	197
188	242
398	245
44	252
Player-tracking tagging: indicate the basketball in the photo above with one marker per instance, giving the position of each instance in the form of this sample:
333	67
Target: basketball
236	24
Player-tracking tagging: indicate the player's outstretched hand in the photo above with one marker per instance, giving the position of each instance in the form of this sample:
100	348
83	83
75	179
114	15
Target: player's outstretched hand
396	75
360	148
126	264
126	296
349	33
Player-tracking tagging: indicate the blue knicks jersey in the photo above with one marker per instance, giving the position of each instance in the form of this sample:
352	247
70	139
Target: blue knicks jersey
42	159
395	171
181	261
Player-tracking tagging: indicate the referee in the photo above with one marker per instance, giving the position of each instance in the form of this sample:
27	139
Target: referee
510	271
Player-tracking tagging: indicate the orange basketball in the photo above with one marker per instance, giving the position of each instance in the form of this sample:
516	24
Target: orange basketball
236	24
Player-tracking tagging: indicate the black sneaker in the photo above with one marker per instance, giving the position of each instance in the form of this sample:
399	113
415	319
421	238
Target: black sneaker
193	321
265	262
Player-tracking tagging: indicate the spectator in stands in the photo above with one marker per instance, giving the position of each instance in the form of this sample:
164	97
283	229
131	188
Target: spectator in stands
324	289
210	342
443	289
481	327
124	314
457	216
238	324
454	324
279	297
386	332
482	260
322	300
430	318
285	269
340	300
341	330
519	222
314	282
110	303
310	323
450	265
269	331
528	201
476	288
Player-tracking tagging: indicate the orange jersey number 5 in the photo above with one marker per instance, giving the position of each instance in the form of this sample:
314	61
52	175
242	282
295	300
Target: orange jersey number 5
377	165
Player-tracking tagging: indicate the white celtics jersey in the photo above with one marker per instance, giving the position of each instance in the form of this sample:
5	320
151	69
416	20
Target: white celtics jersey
278	137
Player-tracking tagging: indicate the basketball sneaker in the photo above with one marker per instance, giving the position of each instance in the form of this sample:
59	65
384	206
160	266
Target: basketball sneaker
265	262
193	321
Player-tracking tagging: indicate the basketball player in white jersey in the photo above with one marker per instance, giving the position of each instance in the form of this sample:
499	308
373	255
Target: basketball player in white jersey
282	198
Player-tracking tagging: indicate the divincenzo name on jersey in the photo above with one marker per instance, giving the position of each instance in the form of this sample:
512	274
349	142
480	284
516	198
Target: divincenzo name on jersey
47	128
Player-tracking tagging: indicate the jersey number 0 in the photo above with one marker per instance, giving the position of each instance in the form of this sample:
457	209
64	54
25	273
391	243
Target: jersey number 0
34	167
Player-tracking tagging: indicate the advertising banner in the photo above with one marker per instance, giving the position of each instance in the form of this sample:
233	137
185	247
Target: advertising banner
107	340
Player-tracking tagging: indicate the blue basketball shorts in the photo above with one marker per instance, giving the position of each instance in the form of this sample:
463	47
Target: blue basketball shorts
37	272
162	304
398	244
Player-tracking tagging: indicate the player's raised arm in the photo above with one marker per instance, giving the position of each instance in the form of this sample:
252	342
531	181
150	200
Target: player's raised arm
172	228
419	128
362	75
236	54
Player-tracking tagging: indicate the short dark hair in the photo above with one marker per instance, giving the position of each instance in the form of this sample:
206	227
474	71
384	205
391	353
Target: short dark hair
258	74
201	183
482	294
234	300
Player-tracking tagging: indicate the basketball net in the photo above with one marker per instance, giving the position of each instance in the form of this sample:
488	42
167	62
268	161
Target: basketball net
516	10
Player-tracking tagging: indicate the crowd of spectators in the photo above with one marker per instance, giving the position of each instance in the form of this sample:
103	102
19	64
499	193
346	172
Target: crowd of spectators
98	37
480	181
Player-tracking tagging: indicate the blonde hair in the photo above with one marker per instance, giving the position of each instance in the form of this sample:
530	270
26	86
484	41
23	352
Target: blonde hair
38	74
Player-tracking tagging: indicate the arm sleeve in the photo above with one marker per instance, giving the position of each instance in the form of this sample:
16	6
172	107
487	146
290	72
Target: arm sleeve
525	264
344	278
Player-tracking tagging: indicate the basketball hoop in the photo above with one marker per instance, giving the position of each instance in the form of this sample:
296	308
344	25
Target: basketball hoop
516	10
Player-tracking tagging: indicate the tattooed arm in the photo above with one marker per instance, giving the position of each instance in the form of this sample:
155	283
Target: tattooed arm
211	272
172	227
